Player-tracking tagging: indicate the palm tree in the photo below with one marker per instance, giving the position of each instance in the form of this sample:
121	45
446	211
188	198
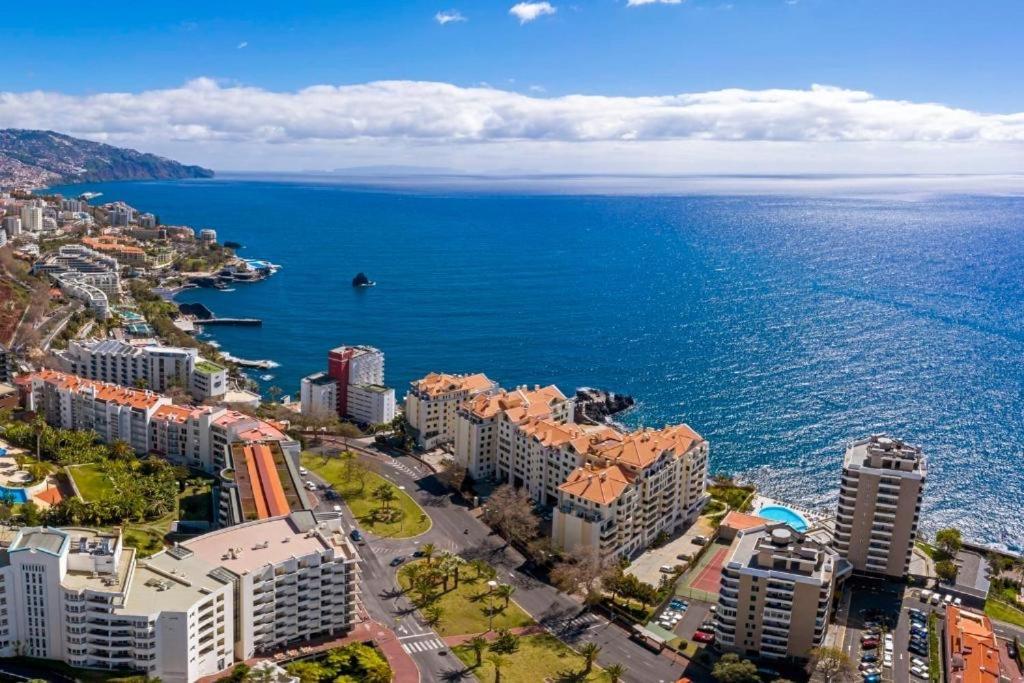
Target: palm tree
497	661
428	550
589	652
615	672
449	565
505	592
39	428
384	494
479	644
433	615
412	573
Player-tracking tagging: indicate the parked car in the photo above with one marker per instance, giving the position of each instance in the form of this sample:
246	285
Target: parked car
873	678
704	628
926	595
869	644
869	658
303	471
355	535
958	602
936	598
666	569
870	671
337	508
918	650
915	613
684	557
704	637
917	661
919	671
700	540
713	609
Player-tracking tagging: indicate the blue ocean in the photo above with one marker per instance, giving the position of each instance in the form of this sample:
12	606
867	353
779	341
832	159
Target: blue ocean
779	326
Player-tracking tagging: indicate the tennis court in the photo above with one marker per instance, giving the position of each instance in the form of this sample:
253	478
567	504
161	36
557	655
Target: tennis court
704	579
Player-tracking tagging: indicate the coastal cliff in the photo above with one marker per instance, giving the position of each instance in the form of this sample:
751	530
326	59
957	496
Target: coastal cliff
37	158
596	406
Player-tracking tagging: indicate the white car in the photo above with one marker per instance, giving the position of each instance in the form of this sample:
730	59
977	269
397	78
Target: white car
958	602
917	661
947	599
919	671
926	595
887	659
337	508
303	471
936	598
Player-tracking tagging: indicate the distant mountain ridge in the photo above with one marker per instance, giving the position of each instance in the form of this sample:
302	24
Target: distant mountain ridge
37	158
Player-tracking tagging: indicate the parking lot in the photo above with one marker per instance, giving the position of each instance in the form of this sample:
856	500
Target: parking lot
647	567
897	620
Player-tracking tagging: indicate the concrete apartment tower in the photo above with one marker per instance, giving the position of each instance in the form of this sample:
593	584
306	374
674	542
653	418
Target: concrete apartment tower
880	505
776	592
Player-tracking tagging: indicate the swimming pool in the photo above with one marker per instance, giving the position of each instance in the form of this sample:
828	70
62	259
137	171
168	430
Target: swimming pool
17	495
781	513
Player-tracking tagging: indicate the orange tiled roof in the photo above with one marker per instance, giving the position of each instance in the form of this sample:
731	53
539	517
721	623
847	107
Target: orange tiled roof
111	393
517	404
601	486
973	651
172	413
642	448
112	244
437	383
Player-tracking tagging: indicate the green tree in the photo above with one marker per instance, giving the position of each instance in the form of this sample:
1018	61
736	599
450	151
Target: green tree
506	642
433	615
505	591
589	652
731	669
428	550
615	672
479	644
498	662
385	494
949	540
30	514
946	570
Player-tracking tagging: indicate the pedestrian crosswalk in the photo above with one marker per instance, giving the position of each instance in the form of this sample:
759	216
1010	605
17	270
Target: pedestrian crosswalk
426	645
581	622
402	467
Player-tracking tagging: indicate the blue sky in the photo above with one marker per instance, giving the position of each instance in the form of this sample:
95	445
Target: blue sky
961	55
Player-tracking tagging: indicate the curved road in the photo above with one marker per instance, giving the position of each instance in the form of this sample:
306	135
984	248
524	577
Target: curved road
455	529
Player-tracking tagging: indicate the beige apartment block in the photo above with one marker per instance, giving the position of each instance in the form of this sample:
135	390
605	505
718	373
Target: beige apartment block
880	505
776	592
431	404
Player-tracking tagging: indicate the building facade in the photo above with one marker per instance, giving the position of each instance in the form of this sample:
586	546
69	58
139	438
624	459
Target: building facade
81	597
431	404
776	593
350	365
153	367
880	505
318	395
371	404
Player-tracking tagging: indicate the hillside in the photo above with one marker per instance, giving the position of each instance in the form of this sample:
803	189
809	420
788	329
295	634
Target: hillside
36	158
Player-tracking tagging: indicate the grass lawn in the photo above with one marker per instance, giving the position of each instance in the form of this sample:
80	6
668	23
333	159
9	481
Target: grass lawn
462	607
145	541
539	658
736	497
360	500
1000	611
91	481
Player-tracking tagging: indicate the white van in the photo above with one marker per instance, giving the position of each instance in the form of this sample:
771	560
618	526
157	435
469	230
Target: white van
926	595
948	599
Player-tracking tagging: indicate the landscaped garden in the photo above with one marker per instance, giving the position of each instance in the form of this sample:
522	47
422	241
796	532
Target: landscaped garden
538	657
355	662
379	505
455	597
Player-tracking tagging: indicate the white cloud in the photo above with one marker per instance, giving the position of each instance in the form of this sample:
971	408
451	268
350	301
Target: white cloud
638	3
528	11
262	128
448	16
242	45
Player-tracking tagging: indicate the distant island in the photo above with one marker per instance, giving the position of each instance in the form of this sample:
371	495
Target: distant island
360	280
38	158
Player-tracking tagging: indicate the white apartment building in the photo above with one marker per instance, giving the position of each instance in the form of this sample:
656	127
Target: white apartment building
776	592
431	404
626	489
371	404
113	412
83	598
12	226
148	421
31	218
154	367
208	380
318	395
880	505
484	427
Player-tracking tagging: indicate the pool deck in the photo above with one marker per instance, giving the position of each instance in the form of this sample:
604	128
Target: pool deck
8	467
815	518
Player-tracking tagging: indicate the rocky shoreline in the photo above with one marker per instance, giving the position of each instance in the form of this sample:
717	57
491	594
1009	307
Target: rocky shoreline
597	406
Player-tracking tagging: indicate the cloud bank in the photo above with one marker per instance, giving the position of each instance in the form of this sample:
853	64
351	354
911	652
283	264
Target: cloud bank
399	115
448	16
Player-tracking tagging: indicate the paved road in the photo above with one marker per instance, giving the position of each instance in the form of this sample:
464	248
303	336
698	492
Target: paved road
457	530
